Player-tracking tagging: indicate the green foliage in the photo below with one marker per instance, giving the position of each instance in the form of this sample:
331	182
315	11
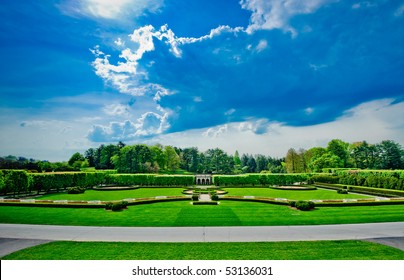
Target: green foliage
330	179
304	205
259	179
108	205
15	181
295	250
57	181
116	206
75	190
342	191
150	179
370	178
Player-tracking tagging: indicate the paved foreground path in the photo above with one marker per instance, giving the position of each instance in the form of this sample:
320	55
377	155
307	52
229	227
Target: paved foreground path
203	234
14	237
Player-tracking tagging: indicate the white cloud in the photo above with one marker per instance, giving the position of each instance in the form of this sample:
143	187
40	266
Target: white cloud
230	112
400	11
197	99
363	4
215	132
262	45
309	111
278	138
116	110
213	33
109	9
119	42
274	14
149	124
317	67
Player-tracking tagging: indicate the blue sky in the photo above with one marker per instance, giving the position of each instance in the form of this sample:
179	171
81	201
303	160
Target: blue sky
258	76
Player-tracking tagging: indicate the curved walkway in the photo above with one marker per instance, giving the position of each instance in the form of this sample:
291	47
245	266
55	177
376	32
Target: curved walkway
387	233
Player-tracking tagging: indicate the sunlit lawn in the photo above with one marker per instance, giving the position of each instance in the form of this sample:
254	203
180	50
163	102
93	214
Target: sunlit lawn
301	250
182	213
151	192
292	194
115	195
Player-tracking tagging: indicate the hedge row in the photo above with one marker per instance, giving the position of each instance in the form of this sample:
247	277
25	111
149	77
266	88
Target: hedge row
14	181
20	181
260	179
373	179
150	180
364	190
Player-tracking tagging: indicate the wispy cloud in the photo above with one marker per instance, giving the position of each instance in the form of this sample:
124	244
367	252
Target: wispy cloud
109	9
149	124
273	14
400	11
363	4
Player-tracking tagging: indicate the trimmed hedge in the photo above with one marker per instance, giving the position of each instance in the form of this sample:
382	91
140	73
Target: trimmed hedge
57	181
364	190
20	181
14	181
150	180
385	179
260	179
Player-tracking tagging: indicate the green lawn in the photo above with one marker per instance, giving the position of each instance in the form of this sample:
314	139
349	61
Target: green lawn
151	192
293	195
301	250
182	213
114	195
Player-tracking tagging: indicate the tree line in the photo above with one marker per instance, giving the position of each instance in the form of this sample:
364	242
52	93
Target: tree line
142	158
339	154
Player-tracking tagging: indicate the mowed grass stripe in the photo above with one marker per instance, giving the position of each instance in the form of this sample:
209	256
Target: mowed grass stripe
307	250
207	215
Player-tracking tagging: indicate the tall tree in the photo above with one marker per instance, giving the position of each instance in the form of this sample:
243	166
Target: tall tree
252	164
292	161
173	160
363	155
190	159
262	163
159	157
340	149
390	155
327	160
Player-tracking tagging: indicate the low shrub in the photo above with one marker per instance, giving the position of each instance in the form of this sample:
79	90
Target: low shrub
215	197
292	203
116	206
342	191
304	205
195	197
76	190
